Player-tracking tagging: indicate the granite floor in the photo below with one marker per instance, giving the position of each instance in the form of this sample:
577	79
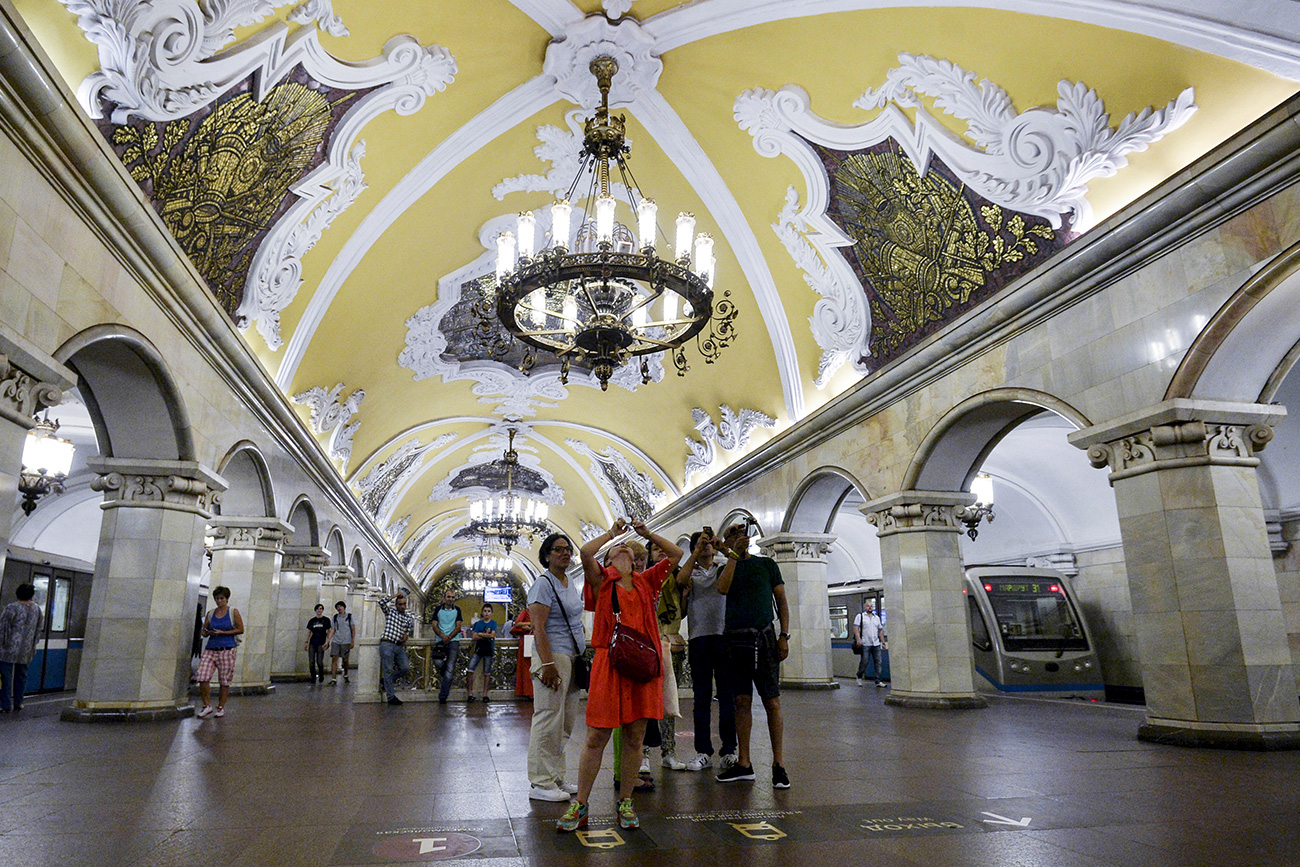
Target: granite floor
306	777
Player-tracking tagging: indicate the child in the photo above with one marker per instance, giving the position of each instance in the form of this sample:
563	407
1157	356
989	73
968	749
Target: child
485	633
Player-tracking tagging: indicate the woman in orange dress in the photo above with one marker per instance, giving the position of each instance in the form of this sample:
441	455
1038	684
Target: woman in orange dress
524	662
614	701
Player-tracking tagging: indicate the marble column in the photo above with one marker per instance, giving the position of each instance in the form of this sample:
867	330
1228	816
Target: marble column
246	556
1212	637
334	587
802	558
136	663
373	626
930	661
356	599
24	391
299	592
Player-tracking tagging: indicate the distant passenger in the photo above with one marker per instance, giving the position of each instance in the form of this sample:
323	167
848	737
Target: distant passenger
398	626
869	635
707	651
341	643
755	650
20	624
222	628
485	633
319	631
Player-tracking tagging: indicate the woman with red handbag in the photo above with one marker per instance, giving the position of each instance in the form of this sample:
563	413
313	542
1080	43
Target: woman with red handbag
626	672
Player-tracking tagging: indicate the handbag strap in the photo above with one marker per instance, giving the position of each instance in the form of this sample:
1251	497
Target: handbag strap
564	612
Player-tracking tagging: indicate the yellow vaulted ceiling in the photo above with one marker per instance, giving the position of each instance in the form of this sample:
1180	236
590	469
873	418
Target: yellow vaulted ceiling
500	46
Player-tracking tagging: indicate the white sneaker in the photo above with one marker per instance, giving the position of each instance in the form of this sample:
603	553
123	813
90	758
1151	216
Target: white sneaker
670	761
700	762
538	793
645	761
205	712
728	760
571	788
861	682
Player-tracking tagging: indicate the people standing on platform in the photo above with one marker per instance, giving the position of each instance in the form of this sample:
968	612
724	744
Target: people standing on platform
869	635
669	614
485	634
523	626
555	610
447	622
319	632
398	626
755	650
222	628
707	651
341	643
20	624
614	700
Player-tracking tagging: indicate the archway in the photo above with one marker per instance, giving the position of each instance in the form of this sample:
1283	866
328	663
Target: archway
249	493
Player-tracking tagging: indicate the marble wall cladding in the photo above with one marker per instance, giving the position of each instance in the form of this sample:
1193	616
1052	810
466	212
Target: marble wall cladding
810	625
307	602
1287	568
290	628
1103	592
12	438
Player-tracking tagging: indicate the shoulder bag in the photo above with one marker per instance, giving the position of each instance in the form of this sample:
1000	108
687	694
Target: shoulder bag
581	671
857	645
633	654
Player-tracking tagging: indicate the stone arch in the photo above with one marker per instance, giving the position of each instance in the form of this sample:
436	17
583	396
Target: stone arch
357	563
957	445
334	545
1241	354
828	501
134	403
818	498
250	493
302	517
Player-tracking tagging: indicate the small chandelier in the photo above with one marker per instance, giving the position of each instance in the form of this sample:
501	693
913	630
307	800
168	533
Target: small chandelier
982	509
611	298
47	458
509	516
482	571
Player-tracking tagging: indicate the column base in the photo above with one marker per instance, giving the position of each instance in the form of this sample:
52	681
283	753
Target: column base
290	678
937	700
241	689
1221	737
793	685
125	714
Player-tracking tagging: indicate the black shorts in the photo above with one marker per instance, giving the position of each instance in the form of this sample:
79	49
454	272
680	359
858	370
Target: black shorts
753	661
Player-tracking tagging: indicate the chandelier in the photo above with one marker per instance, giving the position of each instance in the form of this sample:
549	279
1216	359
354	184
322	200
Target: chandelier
611	298
47	458
482	571
508	517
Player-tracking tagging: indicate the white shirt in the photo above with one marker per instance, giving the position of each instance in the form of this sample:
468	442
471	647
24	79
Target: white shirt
869	625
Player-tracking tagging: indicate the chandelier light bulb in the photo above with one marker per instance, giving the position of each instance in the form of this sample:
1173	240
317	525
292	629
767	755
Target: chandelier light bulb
570	314
537	305
47	453
703	252
646	211
605	219
527	229
639	317
712	269
476	510
561	212
542	511
685	229
982	488
670	306
505	254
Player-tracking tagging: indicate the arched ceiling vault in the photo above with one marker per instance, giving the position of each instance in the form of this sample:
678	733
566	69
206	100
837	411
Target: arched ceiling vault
409	133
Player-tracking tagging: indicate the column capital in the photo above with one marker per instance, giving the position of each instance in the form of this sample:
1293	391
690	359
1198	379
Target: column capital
797	547
183	486
23	395
248	534
1180	433
918	512
304	558
337	574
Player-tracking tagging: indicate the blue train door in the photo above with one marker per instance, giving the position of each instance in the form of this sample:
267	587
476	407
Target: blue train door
48	669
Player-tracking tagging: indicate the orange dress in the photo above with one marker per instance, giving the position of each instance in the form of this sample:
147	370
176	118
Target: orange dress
613	700
524	665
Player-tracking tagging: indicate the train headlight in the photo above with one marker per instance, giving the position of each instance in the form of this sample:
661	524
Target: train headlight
1078	667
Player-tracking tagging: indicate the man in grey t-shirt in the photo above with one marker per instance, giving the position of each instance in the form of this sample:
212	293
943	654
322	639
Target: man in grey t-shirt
705	612
341	642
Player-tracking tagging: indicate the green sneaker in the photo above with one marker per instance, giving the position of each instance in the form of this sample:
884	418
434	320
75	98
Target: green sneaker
627	816
576	817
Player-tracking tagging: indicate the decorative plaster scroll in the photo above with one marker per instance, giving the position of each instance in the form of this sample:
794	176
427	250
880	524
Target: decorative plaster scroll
322	13
616	8
416	543
589	531
155	490
247	538
381	488
1184	443
304	558
787	548
631	493
395	531
731	433
916	517
568	60
23	395
330	415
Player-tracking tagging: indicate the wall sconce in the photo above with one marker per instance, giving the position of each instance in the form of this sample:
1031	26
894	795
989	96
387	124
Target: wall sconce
982	510
47	458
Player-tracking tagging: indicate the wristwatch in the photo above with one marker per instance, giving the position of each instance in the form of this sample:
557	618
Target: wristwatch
784	635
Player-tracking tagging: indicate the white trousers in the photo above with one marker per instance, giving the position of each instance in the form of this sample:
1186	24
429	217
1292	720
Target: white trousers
554	713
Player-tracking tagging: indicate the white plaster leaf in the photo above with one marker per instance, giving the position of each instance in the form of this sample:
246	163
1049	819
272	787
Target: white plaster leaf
322	13
589	531
560	148
395	531
330	415
735	428
700	458
616	8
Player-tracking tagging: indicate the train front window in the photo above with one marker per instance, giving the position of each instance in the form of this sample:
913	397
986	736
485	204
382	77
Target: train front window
839	621
1034	615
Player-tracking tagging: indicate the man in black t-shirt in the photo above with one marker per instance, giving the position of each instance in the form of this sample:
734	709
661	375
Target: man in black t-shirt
319	630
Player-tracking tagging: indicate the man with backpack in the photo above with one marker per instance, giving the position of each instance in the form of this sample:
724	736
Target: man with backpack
341	644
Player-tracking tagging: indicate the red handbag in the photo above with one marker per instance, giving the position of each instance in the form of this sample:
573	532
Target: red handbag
632	653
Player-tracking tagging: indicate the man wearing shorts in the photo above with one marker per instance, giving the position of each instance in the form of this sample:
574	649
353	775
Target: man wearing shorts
341	643
754	648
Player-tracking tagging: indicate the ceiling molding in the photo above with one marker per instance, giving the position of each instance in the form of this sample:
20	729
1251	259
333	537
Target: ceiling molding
553	16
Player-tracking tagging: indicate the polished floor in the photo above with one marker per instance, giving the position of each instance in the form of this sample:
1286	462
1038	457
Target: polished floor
306	777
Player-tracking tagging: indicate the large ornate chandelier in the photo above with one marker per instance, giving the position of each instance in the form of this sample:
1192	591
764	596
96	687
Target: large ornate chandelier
507	517
611	298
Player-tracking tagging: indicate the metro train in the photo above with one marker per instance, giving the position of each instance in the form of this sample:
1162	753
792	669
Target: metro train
1028	634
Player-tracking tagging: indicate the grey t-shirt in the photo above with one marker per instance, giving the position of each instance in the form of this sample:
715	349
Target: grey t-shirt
342	629
566	638
706	608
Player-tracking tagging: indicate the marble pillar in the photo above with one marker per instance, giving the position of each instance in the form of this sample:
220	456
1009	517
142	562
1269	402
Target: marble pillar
1212	637
139	627
246	556
802	558
299	592
334	587
373	626
24	391
930	659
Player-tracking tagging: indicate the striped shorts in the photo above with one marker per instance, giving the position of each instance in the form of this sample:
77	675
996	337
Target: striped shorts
220	661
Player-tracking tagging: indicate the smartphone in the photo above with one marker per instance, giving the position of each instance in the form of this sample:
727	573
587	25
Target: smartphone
708	531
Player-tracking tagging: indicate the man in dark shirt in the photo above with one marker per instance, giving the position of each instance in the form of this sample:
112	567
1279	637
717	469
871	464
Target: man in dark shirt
755	650
319	630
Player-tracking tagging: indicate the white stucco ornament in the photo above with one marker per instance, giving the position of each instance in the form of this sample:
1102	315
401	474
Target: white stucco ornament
331	415
731	434
568	60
